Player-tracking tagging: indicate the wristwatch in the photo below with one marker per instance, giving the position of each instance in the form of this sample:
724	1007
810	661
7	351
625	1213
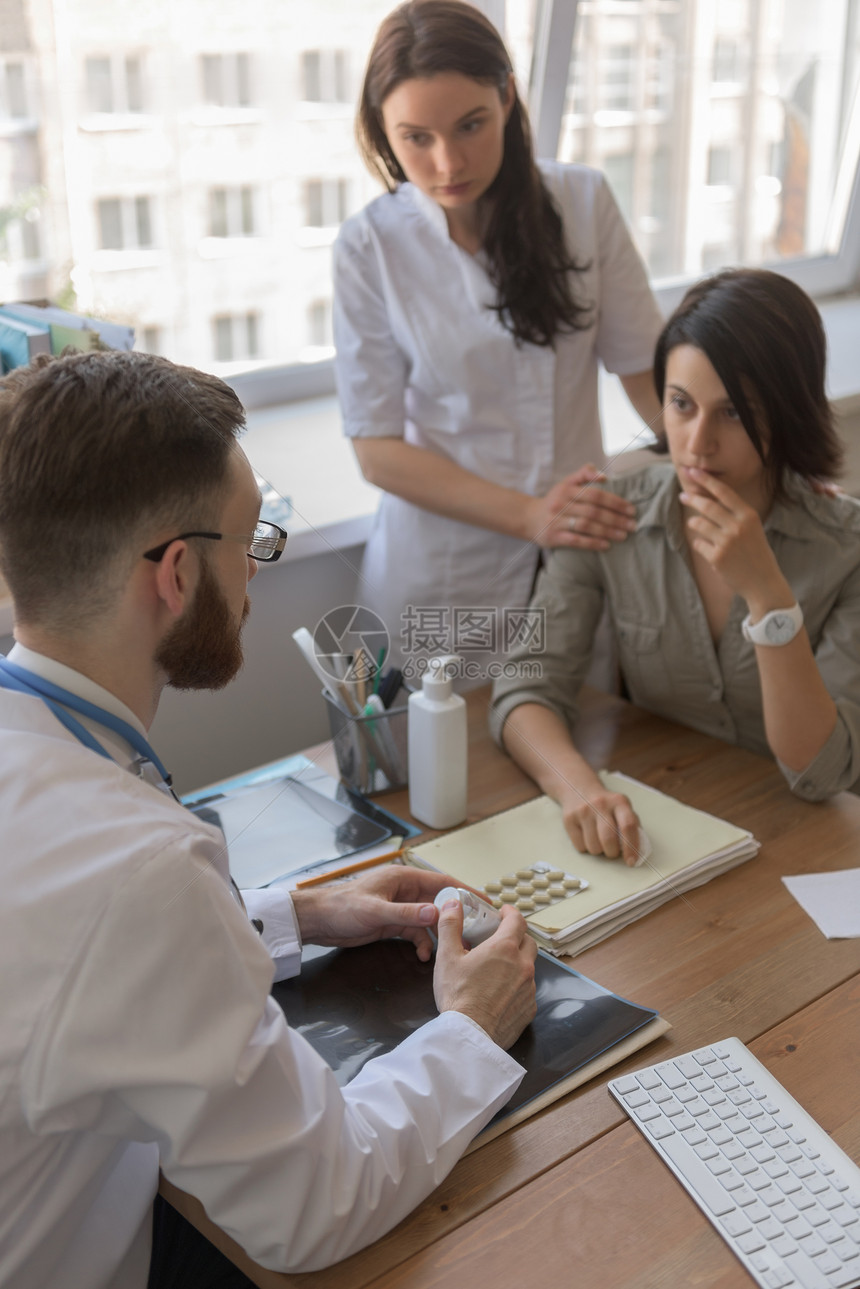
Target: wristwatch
775	628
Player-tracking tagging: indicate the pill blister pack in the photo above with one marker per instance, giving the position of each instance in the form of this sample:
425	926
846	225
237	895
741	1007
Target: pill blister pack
535	888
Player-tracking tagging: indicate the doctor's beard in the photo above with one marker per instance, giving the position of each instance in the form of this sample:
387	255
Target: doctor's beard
204	649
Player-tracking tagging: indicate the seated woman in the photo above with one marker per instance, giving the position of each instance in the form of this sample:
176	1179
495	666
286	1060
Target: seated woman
736	603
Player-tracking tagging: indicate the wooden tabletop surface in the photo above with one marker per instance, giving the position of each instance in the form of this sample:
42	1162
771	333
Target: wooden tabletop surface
575	1196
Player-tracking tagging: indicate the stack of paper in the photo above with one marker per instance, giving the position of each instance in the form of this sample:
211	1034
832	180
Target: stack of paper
689	847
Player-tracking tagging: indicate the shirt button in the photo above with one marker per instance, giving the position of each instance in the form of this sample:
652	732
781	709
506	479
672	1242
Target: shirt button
257	924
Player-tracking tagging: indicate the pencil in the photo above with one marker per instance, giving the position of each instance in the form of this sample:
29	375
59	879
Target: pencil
349	869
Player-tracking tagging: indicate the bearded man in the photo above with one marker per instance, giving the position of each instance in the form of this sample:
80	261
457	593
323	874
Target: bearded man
137	1031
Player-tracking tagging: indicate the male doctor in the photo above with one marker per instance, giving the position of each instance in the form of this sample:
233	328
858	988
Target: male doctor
138	1032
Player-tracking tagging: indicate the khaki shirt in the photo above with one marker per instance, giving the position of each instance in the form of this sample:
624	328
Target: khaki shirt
668	658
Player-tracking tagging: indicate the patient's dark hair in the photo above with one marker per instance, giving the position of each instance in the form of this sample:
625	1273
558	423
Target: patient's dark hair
100	454
765	340
529	263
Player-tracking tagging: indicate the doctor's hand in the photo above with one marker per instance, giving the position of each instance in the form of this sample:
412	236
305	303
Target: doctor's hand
600	822
493	983
575	513
729	535
395	901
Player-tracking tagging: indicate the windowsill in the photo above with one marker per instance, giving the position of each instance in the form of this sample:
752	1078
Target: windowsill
300	449
215	115
226	248
104	122
133	258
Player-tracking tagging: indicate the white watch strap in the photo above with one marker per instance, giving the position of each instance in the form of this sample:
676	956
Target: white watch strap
776	628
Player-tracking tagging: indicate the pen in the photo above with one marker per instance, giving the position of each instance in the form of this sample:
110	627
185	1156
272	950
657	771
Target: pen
349	869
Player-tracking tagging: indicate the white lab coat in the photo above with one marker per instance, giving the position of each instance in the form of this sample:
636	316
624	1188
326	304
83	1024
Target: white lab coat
137	1031
420	356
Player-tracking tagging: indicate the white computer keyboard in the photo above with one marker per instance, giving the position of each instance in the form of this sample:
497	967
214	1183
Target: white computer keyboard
780	1192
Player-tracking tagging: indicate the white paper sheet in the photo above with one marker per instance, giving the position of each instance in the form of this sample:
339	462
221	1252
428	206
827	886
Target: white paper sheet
832	900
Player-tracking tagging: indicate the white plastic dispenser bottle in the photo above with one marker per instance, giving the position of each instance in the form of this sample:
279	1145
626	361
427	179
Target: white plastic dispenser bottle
438	748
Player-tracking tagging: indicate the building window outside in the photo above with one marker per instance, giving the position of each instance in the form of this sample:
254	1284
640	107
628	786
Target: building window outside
774	130
727	61
325	76
226	79
13	92
618	78
125	223
319	324
114	84
326	202
720	167
236	337
231	212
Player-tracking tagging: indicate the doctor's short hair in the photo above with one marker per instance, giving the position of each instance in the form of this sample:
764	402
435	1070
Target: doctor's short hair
765	340
100	454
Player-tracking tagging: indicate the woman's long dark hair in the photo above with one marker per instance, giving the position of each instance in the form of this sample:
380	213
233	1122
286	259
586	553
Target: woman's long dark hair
764	338
524	238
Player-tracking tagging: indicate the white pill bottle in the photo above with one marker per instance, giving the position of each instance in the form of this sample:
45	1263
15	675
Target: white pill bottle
438	750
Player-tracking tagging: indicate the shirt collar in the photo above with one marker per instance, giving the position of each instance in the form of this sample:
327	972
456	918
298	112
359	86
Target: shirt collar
654	493
67	678
427	208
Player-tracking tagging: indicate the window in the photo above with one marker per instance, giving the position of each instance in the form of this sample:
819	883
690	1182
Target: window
326	202
124	223
325	76
618	85
113	84
231	212
226	79
13	91
319	324
764	150
236	337
727	61
618	168
720	166
149	340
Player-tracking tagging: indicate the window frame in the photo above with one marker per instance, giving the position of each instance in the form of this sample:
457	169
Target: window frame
821	276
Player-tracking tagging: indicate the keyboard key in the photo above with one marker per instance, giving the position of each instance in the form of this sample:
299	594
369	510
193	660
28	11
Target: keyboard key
647	1113
735	1224
660	1129
649	1079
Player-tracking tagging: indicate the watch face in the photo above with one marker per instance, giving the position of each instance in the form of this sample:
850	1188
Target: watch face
779	628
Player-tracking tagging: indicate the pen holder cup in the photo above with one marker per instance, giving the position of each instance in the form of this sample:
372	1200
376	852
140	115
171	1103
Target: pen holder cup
371	750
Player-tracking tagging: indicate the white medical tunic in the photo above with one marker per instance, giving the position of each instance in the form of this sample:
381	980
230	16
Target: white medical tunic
138	1031
422	356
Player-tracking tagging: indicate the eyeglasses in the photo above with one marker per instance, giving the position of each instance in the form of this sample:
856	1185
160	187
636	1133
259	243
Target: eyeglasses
265	544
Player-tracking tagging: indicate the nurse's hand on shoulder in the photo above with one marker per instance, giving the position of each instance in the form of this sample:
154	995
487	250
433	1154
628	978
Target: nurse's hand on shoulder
576	513
494	983
600	822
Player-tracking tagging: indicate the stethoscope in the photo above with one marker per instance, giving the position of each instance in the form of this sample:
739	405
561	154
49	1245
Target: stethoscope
59	700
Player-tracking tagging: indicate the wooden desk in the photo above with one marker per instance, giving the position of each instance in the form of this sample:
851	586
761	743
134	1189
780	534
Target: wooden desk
574	1196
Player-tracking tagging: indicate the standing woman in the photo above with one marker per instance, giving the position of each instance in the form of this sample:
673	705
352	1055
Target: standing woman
473	301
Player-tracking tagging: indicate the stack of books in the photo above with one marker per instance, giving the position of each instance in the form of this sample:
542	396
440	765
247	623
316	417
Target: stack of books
27	330
591	896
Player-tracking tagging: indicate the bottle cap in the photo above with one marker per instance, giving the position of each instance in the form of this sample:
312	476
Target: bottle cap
438	683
